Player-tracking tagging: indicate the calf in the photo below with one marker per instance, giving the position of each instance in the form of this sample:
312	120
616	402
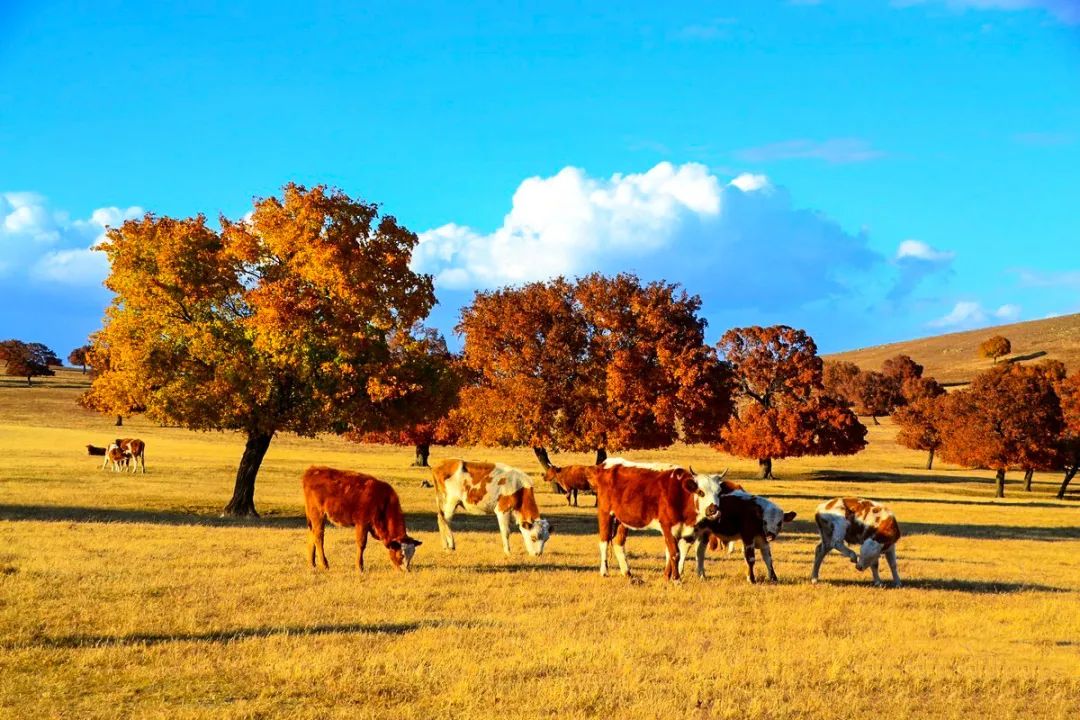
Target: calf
857	522
572	479
352	499
496	488
749	518
673	501
136	449
117	457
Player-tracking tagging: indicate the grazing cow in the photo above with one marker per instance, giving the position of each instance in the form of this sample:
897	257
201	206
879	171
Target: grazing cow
93	450
750	518
673	501
857	522
352	499
572	479
496	488
117	457
136	449
648	466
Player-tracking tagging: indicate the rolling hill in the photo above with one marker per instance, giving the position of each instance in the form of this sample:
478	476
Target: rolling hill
954	358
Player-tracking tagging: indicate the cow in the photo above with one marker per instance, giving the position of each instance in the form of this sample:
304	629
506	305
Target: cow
94	450
136	449
649	466
117	457
752	519
485	488
353	499
860	522
673	501
572	479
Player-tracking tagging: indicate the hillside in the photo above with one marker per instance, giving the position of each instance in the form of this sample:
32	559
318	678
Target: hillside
954	358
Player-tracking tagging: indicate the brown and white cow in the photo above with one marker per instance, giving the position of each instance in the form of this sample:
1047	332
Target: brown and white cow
117	457
352	499
752	519
673	501
572	479
860	522
489	488
136	449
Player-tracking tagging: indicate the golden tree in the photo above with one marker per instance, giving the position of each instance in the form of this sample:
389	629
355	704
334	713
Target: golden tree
605	363
284	321
995	347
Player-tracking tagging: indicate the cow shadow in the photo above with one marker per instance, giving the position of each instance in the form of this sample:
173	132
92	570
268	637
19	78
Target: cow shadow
971	587
75	642
526	567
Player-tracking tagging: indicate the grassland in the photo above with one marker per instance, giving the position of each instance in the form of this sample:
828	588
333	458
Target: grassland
954	358
127	596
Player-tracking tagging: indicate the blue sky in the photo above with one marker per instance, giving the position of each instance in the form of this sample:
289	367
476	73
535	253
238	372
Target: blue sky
871	170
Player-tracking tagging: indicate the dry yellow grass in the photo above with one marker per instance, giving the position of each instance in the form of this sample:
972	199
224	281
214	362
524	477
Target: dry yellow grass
954	358
126	596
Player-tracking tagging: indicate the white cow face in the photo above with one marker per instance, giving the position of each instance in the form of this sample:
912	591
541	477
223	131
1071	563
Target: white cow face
707	497
535	534
869	554
772	518
402	551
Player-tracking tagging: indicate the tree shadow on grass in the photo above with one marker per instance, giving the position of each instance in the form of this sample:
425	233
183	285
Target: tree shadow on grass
892	478
931	501
75	642
973	587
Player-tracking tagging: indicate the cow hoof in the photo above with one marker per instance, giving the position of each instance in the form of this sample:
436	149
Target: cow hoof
813	581
896	585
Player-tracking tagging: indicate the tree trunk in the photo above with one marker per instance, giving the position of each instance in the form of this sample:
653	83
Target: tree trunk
930	460
423	450
28	383
83	369
874	418
119	420
243	499
1070	473
542	456
766	468
1000	483
601	455
1027	479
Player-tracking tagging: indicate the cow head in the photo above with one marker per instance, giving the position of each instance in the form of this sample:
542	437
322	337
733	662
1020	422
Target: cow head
772	518
707	490
551	475
869	554
535	534
402	551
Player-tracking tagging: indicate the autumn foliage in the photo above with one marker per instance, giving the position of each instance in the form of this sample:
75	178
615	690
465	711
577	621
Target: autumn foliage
289	320
781	408
1009	418
603	363
28	360
80	357
995	347
1068	391
920	425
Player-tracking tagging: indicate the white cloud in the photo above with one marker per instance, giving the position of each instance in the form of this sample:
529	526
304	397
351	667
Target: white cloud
969	314
47	246
919	250
1067	11
742	240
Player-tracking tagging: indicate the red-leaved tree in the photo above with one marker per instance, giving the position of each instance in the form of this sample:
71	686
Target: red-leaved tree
919	425
781	408
1068	391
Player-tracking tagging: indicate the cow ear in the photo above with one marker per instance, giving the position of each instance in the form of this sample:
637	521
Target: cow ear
526	525
690	484
789	516
411	541
393	545
551	527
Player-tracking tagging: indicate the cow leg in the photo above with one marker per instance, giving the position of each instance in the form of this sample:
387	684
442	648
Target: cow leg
748	554
504	529
671	552
766	556
819	555
361	546
603	523
575	497
684	550
890	557
444	514
702	546
620	549
874	572
318	530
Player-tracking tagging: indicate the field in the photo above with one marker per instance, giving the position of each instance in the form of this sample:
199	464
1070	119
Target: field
127	596
954	358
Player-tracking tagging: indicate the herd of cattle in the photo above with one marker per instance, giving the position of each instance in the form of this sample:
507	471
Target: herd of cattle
688	509
123	453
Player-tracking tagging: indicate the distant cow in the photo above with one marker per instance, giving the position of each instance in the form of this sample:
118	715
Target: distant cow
484	488
93	450
857	522
117	457
572	479
754	520
352	499
136	449
673	501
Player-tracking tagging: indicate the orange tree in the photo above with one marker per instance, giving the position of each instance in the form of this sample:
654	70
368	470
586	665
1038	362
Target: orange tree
283	321
79	356
420	418
603	363
28	360
995	347
1068	391
919	425
781	407
1009	418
